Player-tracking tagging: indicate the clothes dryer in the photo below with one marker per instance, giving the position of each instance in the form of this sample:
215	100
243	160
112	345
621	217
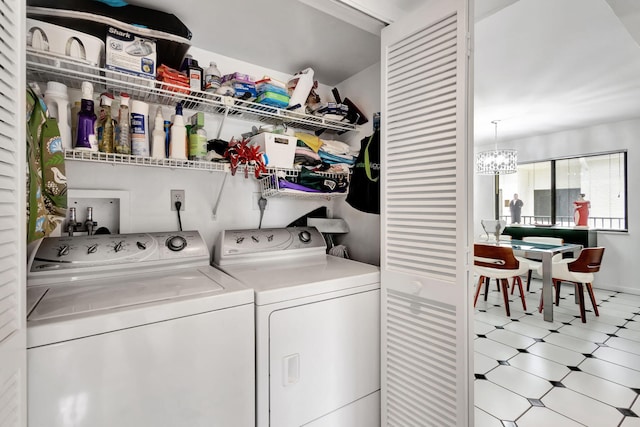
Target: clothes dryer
317	327
137	330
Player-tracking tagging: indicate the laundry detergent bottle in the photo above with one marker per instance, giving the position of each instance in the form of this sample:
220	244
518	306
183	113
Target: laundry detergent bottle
178	131
86	133
105	124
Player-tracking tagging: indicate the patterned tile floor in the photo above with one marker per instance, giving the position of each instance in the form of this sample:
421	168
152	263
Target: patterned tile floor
562	373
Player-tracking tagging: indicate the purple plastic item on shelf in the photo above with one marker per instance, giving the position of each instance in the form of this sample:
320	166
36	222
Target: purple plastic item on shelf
284	184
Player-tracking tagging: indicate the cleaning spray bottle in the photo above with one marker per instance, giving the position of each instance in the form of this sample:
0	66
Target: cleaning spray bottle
123	142
105	124
197	138
178	149
86	136
157	136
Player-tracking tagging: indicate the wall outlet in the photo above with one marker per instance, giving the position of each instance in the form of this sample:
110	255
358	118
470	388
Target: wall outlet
177	196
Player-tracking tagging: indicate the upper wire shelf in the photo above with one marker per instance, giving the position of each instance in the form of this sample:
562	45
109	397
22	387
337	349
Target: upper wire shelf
43	67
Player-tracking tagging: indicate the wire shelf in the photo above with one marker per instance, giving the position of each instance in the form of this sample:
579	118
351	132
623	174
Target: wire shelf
270	186
123	159
43	67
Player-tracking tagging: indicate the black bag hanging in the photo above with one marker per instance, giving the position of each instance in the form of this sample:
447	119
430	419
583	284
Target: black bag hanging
364	190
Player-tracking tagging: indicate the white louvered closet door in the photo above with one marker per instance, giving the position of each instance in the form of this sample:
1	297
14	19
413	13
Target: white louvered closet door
427	218
12	215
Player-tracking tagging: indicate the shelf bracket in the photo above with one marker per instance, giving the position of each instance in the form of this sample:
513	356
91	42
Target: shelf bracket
217	203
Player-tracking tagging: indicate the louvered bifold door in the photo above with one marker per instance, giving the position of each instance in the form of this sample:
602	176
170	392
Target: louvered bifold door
426	218
12	215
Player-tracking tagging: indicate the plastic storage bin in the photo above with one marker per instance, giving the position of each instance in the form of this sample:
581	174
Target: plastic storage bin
280	149
273	99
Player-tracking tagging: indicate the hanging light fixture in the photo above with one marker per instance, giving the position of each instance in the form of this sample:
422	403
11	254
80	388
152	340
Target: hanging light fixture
497	162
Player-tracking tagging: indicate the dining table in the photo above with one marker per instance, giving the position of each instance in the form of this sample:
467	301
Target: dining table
543	252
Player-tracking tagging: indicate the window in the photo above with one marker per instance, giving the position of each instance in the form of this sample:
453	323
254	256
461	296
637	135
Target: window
549	190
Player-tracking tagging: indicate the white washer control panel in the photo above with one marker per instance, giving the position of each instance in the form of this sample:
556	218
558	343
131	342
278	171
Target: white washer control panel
266	243
85	252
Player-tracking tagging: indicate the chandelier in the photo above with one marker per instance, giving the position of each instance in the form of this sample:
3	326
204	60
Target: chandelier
497	162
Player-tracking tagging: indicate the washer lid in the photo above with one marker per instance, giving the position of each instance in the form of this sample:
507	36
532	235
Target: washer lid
90	307
290	279
67	300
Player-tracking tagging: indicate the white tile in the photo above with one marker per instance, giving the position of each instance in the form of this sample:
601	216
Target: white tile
581	408
556	353
635	326
611	372
571	343
606	319
483	419
629	334
636	407
627	299
563	317
511	339
631	422
539	366
481	328
582	333
616	309
600	389
537	417
537	320
493	349
624	345
483	364
492	319
618	357
498	401
519	381
525	329
593	325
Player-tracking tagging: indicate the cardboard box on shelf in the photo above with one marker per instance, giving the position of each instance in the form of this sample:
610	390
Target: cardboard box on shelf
130	53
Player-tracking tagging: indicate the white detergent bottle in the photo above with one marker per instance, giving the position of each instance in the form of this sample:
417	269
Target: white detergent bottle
57	100
299	87
178	138
157	136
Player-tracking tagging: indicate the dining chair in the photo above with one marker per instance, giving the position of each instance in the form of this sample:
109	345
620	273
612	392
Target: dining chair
535	265
493	226
491	261
579	271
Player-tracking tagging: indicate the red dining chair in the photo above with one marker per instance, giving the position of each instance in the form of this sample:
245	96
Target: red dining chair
579	271
491	261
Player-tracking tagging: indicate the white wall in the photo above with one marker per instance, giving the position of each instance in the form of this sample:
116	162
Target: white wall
622	248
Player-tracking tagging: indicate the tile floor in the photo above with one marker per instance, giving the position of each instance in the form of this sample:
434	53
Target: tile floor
562	373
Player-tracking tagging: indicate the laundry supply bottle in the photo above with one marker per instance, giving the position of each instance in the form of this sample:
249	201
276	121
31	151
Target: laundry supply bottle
299	87
212	78
139	128
167	137
86	135
194	73
105	124
178	137
57	99
122	141
157	136
197	138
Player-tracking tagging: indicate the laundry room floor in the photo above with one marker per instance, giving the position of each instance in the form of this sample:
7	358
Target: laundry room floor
562	373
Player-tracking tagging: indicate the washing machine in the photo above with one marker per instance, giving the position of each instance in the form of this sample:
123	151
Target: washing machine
317	327
137	330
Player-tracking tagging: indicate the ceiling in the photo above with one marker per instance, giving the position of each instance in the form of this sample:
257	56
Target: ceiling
540	66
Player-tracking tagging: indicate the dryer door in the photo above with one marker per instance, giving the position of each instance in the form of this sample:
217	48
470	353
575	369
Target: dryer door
323	356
